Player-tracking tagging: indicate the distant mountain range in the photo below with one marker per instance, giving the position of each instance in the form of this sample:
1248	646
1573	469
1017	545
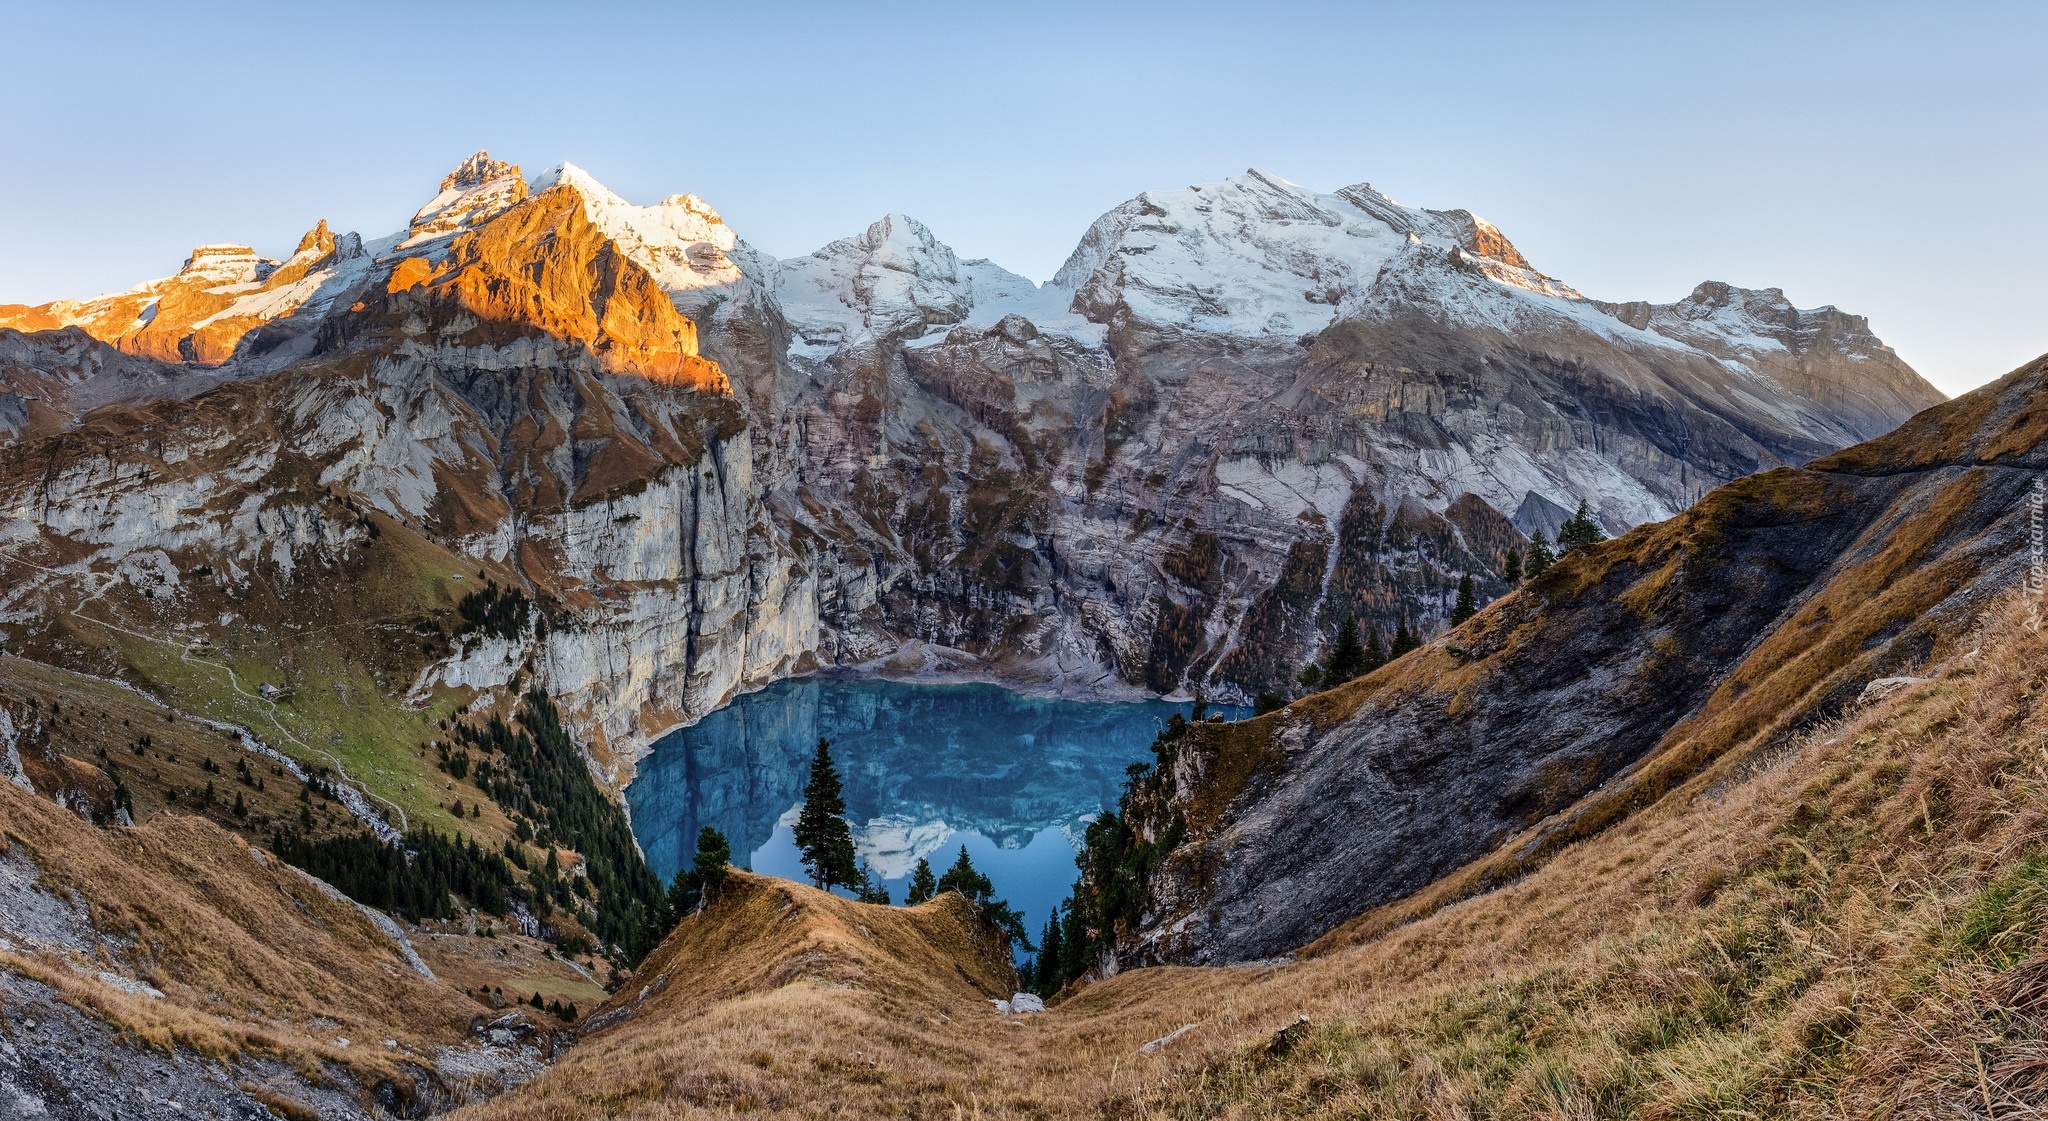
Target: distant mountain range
347	565
1237	415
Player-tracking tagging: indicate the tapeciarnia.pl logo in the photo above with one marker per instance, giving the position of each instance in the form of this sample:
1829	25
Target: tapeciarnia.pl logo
2037	553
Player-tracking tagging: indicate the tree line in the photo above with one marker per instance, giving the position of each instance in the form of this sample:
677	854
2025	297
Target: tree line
415	877
535	772
1348	657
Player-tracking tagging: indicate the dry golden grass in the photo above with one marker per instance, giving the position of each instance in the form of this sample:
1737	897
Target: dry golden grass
1851	928
1833	936
518	967
1919	556
775	990
1999	422
250	955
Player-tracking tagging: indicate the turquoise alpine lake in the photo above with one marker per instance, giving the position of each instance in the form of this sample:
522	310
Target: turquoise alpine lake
927	769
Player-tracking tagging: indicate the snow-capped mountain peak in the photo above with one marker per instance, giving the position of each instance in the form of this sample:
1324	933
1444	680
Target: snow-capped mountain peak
569	175
1257	255
479	189
897	278
890	278
681	241
226	264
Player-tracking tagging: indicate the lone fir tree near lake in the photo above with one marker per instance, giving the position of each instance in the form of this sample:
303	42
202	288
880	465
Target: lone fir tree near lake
923	885
822	835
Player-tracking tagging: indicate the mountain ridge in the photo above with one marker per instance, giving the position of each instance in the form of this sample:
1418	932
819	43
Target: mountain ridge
941	452
546	447
1599	687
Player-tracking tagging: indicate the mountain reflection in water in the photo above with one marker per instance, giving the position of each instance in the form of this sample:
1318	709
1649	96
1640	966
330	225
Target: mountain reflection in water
927	768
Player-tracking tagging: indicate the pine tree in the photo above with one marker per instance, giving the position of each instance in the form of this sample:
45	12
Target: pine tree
1468	601
682	897
1512	572
1375	652
871	889
713	860
1347	657
1405	639
1046	978
964	878
1540	557
1580	531
822	835
241	807
923	885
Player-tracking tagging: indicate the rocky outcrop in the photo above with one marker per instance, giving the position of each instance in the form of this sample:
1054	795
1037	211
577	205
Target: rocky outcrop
201	316
479	189
1823	356
49	379
543	265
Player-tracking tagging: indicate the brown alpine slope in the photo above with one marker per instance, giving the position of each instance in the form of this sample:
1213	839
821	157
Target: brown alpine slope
163	954
780	997
1596	689
201	954
1806	895
1796	904
1855	925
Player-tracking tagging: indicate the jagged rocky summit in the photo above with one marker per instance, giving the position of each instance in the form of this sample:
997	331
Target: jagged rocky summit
1238	414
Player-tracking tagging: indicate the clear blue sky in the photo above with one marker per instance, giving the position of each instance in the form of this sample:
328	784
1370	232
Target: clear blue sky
1889	159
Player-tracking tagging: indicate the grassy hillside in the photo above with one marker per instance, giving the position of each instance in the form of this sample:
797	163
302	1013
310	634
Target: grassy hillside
344	649
1588	694
1856	925
777	997
250	960
249	955
1852	928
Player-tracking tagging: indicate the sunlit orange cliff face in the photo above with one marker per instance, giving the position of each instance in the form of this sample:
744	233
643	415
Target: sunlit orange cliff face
483	247
186	317
544	264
